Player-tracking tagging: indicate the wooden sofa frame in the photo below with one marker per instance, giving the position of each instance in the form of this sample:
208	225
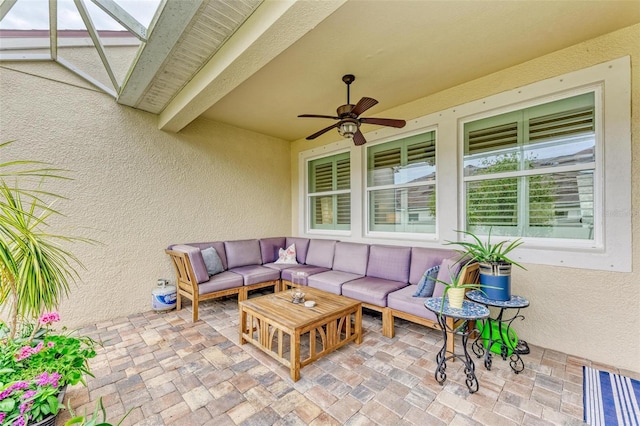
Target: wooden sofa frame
187	285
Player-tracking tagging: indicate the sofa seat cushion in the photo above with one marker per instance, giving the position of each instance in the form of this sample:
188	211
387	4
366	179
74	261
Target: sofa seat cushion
331	281
308	269
403	300
277	266
254	274
371	290
222	281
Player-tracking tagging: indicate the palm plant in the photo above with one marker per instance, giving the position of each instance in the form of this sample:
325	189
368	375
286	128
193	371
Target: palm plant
35	269
486	252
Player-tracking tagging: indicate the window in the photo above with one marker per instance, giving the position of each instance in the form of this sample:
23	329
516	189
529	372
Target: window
530	173
401	185
329	192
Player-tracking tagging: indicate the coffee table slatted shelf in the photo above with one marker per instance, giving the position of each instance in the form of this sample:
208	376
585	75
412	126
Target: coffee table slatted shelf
332	323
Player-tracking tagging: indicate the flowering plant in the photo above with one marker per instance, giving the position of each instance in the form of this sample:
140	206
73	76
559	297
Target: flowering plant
35	365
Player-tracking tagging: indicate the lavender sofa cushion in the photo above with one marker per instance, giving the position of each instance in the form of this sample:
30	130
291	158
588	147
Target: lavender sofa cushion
424	258
218	245
403	300
351	257
242	253
254	274
269	248
331	281
371	289
302	245
448	268
197	262
278	266
309	269
222	281
389	262
320	253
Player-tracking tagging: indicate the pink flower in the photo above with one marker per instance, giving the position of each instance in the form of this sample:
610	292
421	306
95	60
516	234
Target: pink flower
48	379
27	351
16	386
49	317
50	344
28	394
2	416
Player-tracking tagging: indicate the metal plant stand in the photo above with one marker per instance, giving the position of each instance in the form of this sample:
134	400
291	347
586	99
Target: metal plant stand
469	312
482	346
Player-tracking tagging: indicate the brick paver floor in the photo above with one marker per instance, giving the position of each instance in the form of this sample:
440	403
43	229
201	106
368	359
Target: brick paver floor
170	371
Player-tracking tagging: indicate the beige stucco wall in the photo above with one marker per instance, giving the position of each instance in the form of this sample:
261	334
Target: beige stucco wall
590	314
137	189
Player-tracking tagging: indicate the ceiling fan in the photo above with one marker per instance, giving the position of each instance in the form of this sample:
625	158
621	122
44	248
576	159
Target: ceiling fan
349	117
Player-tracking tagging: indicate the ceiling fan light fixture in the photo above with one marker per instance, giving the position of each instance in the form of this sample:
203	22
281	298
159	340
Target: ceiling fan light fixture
347	129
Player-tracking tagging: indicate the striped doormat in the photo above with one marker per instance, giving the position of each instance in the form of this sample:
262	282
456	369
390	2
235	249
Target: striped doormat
610	399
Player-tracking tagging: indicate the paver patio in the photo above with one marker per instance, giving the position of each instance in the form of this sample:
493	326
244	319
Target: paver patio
173	372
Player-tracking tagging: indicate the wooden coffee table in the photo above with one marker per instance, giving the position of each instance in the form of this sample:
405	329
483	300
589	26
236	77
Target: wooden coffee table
269	321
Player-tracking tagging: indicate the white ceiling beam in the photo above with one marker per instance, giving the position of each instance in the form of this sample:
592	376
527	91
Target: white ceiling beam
5	7
123	17
68	65
271	29
171	22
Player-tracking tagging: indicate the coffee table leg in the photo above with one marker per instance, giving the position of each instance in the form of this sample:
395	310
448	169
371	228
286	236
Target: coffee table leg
243	326
359	324
295	356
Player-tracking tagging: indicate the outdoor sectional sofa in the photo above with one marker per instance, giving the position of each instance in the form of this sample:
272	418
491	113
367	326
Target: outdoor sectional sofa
383	277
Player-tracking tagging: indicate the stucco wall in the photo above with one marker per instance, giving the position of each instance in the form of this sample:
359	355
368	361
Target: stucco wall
590	314
137	189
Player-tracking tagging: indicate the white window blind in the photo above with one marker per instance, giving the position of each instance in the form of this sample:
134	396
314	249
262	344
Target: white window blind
401	185
531	172
329	192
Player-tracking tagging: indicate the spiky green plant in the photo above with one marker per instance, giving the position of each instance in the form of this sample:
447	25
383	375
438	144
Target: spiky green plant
35	269
486	251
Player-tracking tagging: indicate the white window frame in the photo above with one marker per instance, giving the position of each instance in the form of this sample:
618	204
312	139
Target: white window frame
305	158
611	248
426	236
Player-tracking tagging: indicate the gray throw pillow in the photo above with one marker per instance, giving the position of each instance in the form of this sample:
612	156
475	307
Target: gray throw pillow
427	283
212	261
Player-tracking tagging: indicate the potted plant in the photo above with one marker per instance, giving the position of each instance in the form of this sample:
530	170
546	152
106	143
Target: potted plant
454	291
35	369
495	266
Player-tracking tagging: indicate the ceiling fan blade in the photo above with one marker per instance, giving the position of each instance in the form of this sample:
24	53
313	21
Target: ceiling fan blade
363	105
323	131
318	116
358	138
391	122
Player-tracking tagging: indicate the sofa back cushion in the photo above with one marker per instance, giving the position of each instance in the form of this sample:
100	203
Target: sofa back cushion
302	246
242	253
218	245
389	262
196	260
424	258
321	253
269	248
351	257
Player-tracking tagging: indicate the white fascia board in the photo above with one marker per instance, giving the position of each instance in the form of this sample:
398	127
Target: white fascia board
272	28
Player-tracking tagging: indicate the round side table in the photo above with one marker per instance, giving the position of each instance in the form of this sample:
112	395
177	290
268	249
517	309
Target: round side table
482	345
469	312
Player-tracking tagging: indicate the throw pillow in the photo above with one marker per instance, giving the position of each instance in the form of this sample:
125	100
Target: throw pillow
212	261
287	256
427	283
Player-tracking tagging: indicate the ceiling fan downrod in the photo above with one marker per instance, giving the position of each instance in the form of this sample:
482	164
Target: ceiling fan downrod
348	79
